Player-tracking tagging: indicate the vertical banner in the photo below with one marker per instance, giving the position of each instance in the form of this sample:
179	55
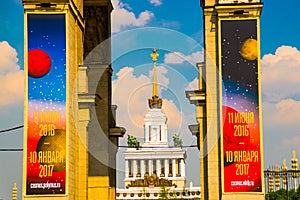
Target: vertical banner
240	106
46	113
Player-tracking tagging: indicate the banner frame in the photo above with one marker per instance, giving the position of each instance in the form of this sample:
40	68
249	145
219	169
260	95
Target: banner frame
237	18
26	13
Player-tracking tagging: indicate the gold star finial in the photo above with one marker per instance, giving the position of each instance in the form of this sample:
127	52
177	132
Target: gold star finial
154	55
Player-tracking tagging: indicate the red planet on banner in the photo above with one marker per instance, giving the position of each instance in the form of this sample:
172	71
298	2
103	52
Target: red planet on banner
39	63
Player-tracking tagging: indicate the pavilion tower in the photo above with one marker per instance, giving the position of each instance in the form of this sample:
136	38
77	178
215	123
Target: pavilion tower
155	128
156	158
155	163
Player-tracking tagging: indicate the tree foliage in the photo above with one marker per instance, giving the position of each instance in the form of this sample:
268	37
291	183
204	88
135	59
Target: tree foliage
132	142
281	194
177	140
165	193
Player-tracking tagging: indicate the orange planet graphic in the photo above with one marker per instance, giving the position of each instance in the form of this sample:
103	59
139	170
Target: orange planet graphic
39	63
249	49
52	150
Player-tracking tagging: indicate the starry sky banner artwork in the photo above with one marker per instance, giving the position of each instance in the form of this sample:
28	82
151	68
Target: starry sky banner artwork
46	104
240	106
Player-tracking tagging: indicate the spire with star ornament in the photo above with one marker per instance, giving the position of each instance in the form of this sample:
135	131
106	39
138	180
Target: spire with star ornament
155	102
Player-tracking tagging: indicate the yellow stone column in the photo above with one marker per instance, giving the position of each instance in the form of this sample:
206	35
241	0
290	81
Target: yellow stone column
74	26
208	98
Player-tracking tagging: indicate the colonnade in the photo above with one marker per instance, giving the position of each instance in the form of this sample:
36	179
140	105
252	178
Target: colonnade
136	168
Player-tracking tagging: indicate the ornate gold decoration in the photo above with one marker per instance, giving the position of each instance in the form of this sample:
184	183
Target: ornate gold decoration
155	102
152	180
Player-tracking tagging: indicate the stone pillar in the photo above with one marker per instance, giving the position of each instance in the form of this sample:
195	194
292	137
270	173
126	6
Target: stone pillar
134	168
126	168
82	158
130	167
138	166
150	167
182	168
158	168
174	168
166	168
177	167
142	168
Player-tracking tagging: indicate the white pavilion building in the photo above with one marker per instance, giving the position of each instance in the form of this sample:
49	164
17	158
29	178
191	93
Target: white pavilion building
156	166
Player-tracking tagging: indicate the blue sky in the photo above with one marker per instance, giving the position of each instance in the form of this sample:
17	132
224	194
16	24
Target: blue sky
171	26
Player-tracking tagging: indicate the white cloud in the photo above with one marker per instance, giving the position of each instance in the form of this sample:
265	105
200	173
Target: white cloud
179	58
294	142
174	58
8	59
131	94
194	85
11	77
174	115
284	113
170	24
156	2
119	4
280	74
281	106
123	18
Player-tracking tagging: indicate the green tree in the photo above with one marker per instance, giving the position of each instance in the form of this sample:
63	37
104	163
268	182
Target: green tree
132	142
282	195
177	140
164	193
277	195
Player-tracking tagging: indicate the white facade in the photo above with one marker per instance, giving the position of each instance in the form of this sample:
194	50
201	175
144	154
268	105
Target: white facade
155	156
164	162
155	129
155	161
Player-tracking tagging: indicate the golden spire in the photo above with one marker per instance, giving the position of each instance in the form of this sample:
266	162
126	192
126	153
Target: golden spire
155	102
154	55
